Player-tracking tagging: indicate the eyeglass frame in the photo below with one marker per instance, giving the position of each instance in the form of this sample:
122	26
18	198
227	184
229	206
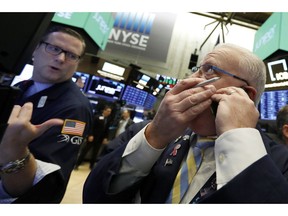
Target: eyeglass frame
219	70
61	51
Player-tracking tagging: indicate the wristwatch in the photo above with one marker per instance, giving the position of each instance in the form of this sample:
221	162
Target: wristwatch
14	166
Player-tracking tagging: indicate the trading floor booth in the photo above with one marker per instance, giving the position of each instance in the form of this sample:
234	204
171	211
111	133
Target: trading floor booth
271	45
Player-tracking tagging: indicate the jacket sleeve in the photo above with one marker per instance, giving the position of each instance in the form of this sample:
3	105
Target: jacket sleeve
41	193
262	182
97	184
58	148
265	181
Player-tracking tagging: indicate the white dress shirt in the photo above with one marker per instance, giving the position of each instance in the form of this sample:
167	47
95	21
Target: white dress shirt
232	155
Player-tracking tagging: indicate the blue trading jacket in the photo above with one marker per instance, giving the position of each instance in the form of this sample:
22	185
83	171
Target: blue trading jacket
60	144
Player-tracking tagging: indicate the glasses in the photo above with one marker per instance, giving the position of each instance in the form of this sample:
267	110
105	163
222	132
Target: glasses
55	50
209	71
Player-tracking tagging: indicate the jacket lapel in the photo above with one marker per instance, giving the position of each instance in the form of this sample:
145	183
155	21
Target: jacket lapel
156	190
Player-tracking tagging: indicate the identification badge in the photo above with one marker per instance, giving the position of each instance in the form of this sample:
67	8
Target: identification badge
42	102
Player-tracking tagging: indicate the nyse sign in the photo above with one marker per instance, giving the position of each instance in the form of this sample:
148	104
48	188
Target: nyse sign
141	34
129	39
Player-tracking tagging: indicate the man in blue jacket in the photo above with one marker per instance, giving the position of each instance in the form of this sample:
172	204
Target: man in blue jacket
54	95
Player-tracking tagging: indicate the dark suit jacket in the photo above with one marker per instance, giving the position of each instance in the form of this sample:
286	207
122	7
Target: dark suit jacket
100	129
265	181
130	122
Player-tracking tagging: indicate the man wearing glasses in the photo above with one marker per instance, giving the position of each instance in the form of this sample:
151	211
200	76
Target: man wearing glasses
211	131
53	95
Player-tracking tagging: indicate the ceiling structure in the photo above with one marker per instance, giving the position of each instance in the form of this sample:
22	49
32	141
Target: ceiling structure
246	19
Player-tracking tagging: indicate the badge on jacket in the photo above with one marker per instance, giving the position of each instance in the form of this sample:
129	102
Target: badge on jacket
42	102
73	127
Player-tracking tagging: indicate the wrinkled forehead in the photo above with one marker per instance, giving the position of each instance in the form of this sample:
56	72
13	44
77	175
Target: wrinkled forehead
223	57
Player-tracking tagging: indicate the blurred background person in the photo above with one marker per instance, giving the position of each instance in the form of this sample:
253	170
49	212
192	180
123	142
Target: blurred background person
97	139
282	125
79	82
149	114
124	122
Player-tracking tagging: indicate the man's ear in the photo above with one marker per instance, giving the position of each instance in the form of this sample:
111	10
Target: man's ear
251	91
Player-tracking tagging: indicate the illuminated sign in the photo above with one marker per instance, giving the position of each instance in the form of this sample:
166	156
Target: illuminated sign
132	29
271	36
97	25
114	69
277	74
72	19
141	34
107	89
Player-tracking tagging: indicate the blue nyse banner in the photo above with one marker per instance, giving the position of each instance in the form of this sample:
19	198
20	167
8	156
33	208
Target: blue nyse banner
141	34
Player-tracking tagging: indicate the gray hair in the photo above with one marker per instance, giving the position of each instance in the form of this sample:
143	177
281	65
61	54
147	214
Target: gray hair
251	66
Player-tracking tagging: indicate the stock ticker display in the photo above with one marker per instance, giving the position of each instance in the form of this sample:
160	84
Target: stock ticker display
271	102
135	96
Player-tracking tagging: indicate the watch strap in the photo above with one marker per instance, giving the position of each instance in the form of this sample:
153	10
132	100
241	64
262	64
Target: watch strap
14	166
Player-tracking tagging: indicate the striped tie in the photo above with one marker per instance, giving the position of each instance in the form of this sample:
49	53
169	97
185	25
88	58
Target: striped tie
188	169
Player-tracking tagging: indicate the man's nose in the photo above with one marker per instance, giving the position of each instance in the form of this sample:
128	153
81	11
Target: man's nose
199	74
61	56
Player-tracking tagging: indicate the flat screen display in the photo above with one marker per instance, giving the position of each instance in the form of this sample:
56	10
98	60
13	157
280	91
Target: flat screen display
271	102
81	79
142	81
150	101
134	96
168	82
105	88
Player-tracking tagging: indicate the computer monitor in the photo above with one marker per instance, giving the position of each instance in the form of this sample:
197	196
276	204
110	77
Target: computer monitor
143	82
134	96
168	82
150	101
105	88
81	79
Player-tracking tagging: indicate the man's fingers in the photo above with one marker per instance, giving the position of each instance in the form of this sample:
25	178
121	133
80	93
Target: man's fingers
14	113
48	124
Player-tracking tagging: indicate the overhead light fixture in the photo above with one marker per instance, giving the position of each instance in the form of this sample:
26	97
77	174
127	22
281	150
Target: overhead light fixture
109	75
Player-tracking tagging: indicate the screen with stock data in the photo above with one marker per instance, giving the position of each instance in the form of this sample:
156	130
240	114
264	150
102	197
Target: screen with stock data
271	102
